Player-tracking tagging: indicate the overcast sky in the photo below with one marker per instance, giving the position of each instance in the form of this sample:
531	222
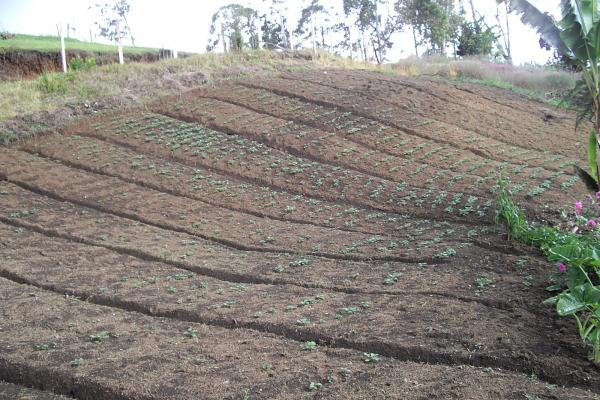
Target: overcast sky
184	24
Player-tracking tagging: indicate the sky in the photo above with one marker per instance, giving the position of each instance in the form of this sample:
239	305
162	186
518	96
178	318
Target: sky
184	24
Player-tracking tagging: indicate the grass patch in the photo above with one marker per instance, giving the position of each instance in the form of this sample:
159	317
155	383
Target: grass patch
52	43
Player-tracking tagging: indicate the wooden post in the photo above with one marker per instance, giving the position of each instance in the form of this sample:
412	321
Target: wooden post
174	53
63	53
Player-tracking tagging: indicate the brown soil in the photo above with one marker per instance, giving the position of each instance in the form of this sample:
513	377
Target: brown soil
20	64
193	250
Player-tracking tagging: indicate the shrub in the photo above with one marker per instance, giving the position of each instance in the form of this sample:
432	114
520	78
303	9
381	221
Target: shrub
81	64
50	82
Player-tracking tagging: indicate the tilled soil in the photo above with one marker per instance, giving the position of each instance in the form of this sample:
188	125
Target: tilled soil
320	235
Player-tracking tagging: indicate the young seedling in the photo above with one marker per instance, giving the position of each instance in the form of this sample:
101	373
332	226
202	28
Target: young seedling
371	358
314	386
190	333
308	345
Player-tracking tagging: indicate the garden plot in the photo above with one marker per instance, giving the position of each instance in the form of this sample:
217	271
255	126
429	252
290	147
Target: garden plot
484	117
416	152
395	326
411	121
219	189
305	236
235	229
37	212
195	144
96	352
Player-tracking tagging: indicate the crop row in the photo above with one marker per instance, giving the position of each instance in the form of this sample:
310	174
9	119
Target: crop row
364	321
468	111
220	189
195	144
513	282
368	145
415	123
233	228
83	345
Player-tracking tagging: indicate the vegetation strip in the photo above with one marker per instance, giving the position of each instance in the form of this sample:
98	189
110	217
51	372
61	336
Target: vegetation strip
88	226
225	314
368	132
484	147
499	136
97	156
109	199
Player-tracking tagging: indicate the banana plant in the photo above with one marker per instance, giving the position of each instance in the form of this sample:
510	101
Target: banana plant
577	37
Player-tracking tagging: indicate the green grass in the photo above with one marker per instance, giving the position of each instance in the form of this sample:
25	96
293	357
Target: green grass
52	43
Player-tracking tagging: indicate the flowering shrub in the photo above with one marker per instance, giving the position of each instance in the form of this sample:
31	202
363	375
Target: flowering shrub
575	248
586	216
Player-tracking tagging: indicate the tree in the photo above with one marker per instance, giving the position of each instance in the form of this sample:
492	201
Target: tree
113	23
314	20
275	34
476	39
372	19
235	26
577	38
504	32
433	22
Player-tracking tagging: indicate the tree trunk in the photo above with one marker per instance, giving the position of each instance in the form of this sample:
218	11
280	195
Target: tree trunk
473	13
508	51
414	32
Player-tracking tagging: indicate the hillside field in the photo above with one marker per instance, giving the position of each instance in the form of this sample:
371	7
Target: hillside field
318	234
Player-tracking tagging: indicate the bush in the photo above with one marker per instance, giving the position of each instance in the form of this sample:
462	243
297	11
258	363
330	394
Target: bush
81	64
54	82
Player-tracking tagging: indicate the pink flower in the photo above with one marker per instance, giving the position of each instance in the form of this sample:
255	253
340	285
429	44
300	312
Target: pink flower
597	195
562	267
591	223
578	207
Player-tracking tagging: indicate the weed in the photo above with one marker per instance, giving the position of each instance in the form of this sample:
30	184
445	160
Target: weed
392	278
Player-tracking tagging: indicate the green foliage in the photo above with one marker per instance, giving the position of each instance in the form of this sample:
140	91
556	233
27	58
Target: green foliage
81	64
237	27
579	254
51	83
475	39
434	22
577	37
370	20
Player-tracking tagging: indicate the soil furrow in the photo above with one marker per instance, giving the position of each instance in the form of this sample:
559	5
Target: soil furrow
171	212
171	177
202	302
104	353
364	133
9	391
194	144
485	146
88	226
498	135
